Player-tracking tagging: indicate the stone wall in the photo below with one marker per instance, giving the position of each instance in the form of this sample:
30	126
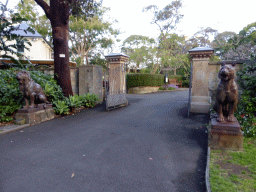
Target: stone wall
90	80
73	75
84	79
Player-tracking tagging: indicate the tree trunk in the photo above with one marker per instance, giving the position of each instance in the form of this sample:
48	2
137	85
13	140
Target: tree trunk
58	14
60	33
61	58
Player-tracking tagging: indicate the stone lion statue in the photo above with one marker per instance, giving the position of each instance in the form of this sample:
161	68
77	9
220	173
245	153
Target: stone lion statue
30	90
227	93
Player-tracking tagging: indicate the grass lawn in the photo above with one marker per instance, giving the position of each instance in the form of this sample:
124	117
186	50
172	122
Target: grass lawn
234	171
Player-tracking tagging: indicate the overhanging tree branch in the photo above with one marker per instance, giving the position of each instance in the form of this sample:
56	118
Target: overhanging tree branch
45	7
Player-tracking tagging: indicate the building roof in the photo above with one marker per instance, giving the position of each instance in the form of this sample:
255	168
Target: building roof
116	54
20	31
201	49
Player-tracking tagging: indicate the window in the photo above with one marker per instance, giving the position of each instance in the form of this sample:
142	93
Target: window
20	46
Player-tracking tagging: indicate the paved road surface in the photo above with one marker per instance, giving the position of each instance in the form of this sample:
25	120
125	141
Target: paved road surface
148	146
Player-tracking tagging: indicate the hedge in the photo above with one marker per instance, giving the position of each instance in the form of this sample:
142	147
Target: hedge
144	79
178	77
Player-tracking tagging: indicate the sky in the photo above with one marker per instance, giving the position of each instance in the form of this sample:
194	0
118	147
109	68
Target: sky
222	15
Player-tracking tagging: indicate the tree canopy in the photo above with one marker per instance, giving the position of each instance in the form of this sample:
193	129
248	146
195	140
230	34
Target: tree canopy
167	18
88	34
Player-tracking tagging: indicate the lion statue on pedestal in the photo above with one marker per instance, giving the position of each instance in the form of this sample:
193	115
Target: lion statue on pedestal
227	94
30	90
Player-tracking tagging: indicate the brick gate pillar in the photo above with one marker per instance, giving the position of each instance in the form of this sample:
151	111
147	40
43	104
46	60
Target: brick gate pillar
116	95
200	101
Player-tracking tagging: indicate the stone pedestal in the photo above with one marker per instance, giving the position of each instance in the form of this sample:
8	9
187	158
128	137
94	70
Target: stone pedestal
199	98
90	80
34	116
225	135
116	95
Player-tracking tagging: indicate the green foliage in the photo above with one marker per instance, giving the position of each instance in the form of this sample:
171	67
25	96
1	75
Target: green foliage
49	85
136	80
162	88
249	34
88	34
145	70
10	42
246	112
97	60
10	97
61	107
74	101
140	49
89	100
178	77
69	104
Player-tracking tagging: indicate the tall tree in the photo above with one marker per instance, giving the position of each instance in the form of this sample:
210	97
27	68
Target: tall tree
248	34
137	47
58	13
167	18
221	42
88	34
171	51
204	35
232	46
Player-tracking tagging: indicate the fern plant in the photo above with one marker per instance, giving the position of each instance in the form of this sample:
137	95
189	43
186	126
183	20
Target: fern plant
74	101
61	108
89	100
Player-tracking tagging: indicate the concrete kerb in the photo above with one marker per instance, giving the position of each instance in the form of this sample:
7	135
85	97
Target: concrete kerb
180	89
10	128
207	171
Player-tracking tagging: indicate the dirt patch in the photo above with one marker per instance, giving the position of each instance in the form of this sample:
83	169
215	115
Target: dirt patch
232	168
224	161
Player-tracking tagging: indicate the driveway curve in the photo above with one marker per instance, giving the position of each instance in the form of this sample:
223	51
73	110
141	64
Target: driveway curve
149	146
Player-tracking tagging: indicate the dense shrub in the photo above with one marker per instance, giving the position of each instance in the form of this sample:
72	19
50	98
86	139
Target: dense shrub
10	97
246	110
185	82
89	100
136	80
178	77
49	85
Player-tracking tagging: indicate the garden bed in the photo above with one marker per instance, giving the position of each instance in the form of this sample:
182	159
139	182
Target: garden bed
142	90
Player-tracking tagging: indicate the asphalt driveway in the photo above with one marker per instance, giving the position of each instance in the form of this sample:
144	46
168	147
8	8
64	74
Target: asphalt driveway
148	146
